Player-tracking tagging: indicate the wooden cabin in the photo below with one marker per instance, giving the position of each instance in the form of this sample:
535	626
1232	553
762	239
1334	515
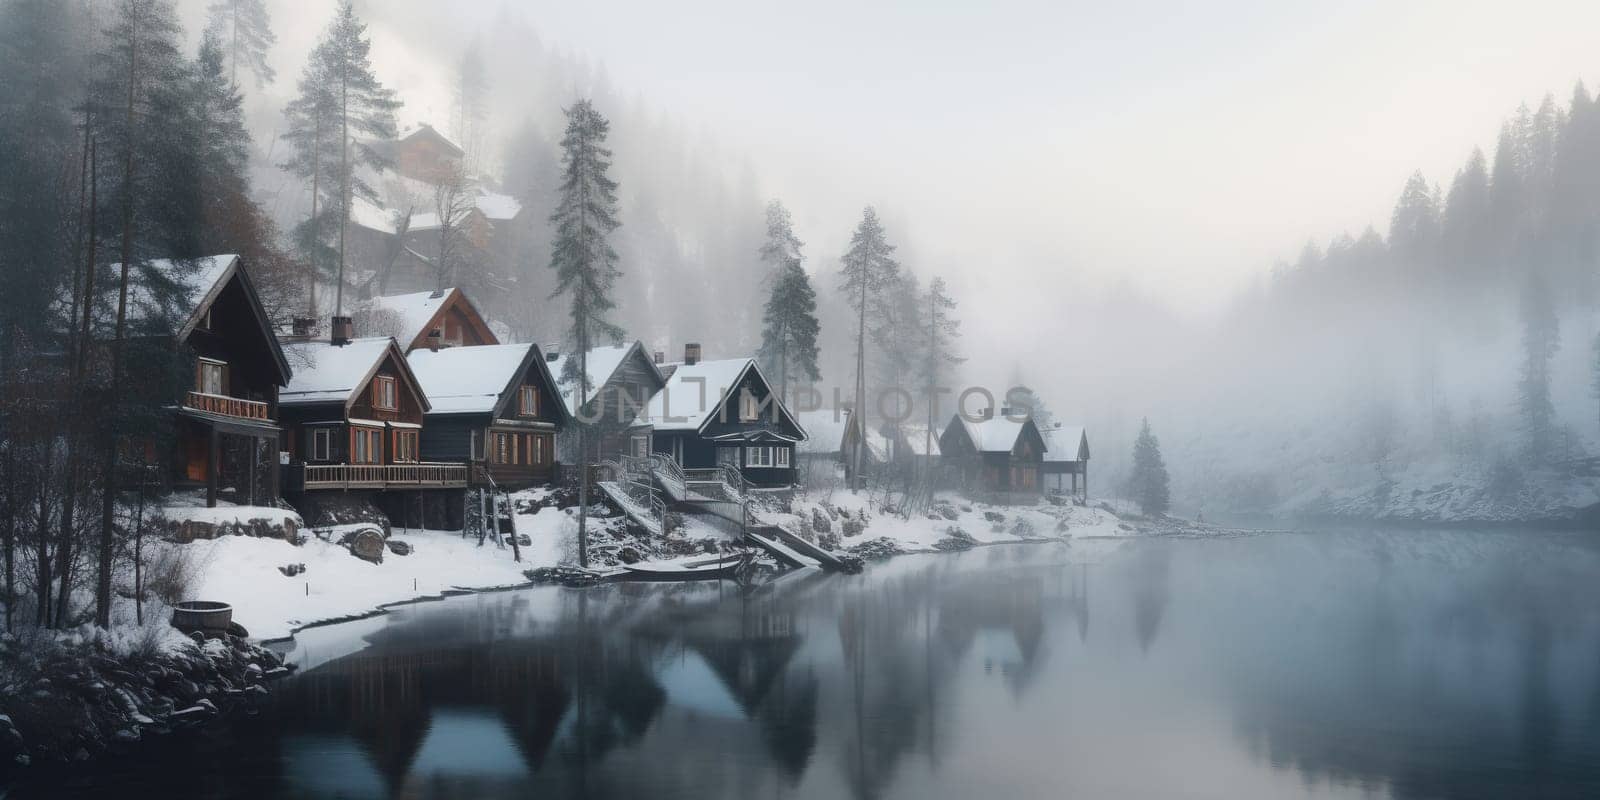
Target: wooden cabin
1065	470
995	455
227	432
495	407
353	416
425	320
724	412
622	380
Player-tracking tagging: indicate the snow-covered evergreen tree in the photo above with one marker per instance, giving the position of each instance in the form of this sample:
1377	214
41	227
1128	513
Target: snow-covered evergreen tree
781	246
868	271
938	350
243	29
1541	338
789	335
898	337
1148	484
585	264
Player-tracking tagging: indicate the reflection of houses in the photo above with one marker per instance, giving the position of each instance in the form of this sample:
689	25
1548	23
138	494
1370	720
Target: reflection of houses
227	432
724	412
621	381
495	406
354	416
995	455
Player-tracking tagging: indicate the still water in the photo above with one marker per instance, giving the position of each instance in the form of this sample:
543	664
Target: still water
1332	664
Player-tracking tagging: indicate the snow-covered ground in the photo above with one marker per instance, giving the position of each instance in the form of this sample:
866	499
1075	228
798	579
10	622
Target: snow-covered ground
244	571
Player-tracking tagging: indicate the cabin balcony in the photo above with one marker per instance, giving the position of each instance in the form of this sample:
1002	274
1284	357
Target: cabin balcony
226	406
314	477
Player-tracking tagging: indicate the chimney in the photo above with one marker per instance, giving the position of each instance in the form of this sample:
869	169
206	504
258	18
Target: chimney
343	331
434	339
304	326
691	354
552	354
660	357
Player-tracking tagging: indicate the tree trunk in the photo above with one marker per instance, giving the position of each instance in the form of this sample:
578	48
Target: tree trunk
316	233
102	606
10	540
860	422
345	188
43	526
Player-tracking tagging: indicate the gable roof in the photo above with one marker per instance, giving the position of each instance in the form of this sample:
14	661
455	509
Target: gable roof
198	283
419	312
332	373
1066	443
994	435
426	131
474	380
825	429
694	393
602	363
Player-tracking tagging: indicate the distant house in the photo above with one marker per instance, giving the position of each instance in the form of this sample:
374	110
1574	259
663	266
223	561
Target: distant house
424	154
227	431
825	431
622	380
496	407
354	414
1065	469
724	412
425	320
995	455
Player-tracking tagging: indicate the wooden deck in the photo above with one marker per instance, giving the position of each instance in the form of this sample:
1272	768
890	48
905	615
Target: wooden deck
226	406
385	476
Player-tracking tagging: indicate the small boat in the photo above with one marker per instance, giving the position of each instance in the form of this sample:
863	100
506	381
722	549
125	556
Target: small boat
727	566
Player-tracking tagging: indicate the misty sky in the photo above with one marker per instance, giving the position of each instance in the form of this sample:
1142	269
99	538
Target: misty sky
1180	149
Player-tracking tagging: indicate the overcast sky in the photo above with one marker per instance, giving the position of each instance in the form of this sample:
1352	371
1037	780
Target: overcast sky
1177	148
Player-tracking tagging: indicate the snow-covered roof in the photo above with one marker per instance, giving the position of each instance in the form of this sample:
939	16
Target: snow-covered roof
498	206
326	373
694	392
994	435
602	363
412	311
495	206
918	441
826	428
467	380
1061	443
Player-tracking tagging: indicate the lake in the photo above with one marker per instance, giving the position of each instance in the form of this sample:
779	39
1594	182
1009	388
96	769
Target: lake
1408	664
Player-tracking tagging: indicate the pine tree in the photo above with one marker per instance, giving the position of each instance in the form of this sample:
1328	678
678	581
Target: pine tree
585	264
243	29
938	349
1414	227
868	271
1149	484
897	336
781	246
789	336
471	103
340	100
314	151
1467	218
1541	337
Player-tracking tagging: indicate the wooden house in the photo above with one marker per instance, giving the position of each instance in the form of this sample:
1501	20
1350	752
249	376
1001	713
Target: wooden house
995	455
495	407
425	320
1065	470
354	415
724	412
424	154
622	380
227	431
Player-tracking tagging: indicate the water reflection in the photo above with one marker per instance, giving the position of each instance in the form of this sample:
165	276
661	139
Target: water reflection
1351	664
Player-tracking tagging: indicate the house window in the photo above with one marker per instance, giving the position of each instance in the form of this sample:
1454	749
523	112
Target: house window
476	437
781	455
321	444
749	409
502	448
213	376
538	450
206	322
366	446
758	456
405	446
383	395
528	401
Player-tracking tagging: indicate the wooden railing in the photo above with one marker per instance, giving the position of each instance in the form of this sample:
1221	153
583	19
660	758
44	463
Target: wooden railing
383	476
226	406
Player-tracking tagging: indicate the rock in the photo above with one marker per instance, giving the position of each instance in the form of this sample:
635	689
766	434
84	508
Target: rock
853	527
994	516
820	522
399	548
955	539
367	545
126	736
947	511
881	547
1023	529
